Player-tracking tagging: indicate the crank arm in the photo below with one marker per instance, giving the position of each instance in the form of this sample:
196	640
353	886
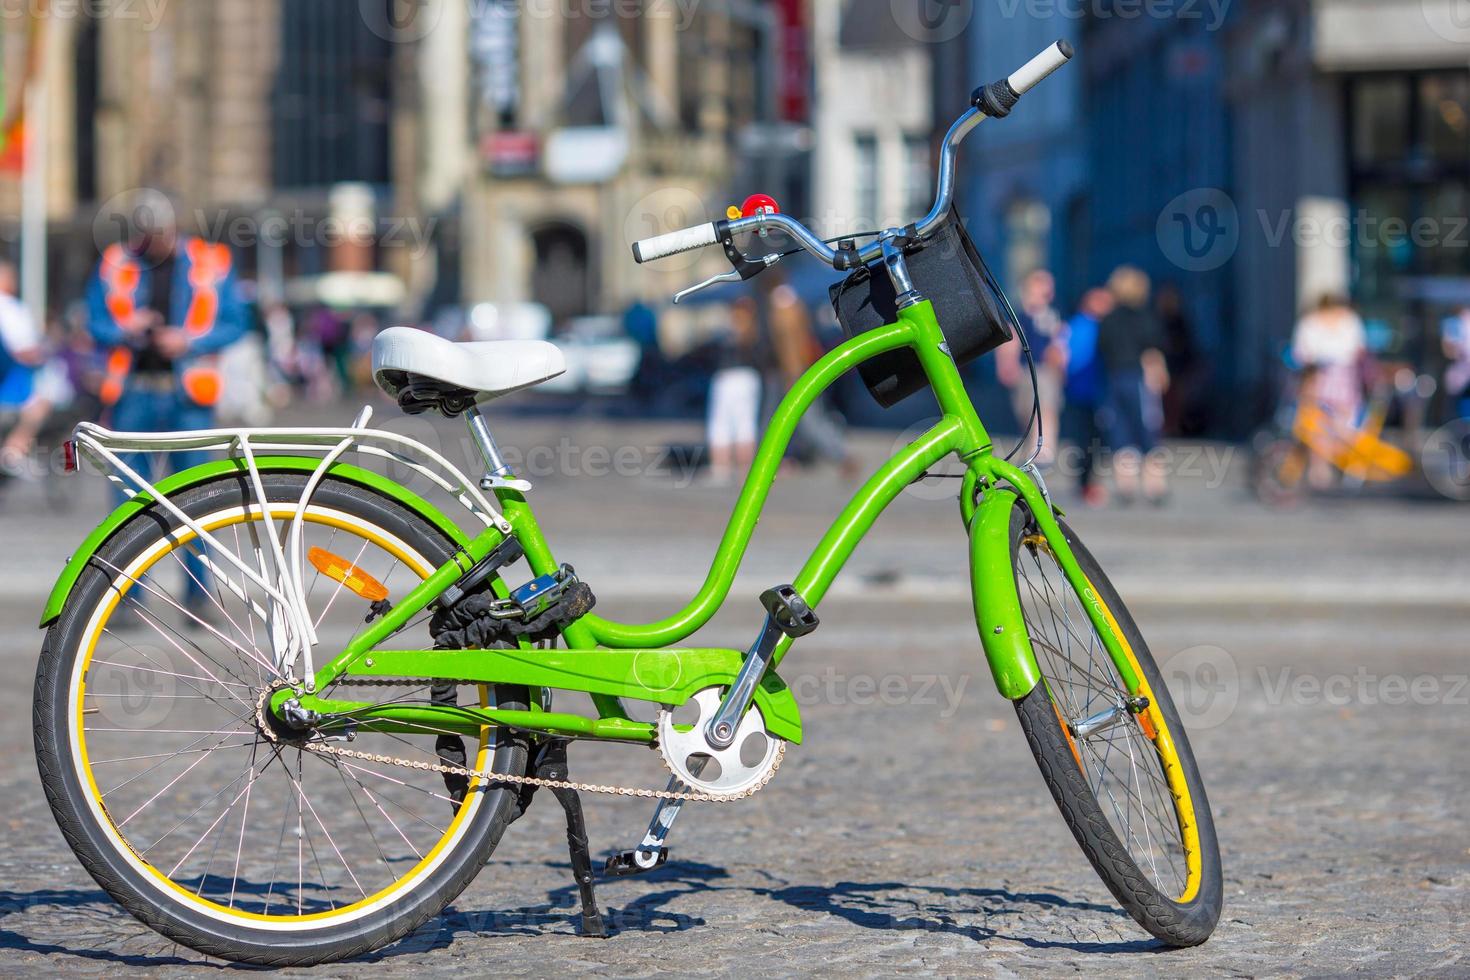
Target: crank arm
651	851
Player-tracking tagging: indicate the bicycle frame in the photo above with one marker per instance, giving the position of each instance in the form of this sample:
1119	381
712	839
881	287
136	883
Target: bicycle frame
611	660
645	667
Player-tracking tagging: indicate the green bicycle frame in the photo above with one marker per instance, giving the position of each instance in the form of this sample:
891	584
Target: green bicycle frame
612	660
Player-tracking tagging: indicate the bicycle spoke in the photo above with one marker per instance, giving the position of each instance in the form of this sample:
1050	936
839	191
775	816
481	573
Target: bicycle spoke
1123	769
197	797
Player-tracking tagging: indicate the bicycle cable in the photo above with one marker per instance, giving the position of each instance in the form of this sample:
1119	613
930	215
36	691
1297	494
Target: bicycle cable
1035	421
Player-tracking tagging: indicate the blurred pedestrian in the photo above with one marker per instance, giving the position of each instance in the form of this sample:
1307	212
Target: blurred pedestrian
164	305
1182	355
280	346
796	347
1329	346
1455	336
22	355
1130	345
733	416
1086	384
1044	331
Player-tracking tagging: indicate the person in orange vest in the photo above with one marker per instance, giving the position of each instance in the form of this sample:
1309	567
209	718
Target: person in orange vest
162	306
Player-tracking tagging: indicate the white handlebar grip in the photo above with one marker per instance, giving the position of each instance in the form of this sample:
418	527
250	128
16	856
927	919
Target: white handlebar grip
674	242
1035	70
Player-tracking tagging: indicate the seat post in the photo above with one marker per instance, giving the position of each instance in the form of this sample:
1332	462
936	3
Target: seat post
495	464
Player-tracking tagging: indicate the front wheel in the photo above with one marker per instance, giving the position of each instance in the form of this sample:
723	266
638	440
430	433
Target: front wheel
1117	761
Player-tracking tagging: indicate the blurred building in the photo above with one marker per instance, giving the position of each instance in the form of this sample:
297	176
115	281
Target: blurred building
591	129
272	124
1255	156
1025	176
874	119
419	153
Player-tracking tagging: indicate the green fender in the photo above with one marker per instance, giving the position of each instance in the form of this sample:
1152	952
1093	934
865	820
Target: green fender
226	467
997	602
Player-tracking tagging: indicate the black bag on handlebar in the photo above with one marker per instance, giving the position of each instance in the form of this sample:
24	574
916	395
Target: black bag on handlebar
949	272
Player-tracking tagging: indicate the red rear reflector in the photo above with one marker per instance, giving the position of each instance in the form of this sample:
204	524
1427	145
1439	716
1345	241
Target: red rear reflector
69	456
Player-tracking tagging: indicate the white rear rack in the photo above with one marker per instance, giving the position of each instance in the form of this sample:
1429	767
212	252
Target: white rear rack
282	578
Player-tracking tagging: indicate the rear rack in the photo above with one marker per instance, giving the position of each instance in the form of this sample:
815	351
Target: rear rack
283	578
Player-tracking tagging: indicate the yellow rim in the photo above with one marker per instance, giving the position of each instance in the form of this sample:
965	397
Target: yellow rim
181	537
1169	757
1160	736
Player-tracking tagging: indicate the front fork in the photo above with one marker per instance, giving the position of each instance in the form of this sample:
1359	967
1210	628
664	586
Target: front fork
987	507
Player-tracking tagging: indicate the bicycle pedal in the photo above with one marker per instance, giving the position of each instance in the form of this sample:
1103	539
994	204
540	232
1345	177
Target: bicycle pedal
790	613
625	864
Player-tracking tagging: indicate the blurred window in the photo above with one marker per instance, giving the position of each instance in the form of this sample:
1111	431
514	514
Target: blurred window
333	97
1381	119
918	193
1444	116
866	180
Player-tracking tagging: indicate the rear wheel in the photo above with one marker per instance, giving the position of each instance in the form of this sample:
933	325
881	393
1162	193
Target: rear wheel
1117	762
178	802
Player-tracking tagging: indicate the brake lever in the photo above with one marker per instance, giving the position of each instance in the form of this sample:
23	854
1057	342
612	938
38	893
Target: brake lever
732	276
744	268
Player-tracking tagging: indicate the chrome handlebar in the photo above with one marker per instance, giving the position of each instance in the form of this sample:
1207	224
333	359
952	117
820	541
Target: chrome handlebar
995	99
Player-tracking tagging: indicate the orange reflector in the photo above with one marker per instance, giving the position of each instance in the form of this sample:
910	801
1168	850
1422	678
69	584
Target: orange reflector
1147	724
342	570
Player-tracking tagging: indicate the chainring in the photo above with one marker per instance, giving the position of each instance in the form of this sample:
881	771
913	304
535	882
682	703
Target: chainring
719	772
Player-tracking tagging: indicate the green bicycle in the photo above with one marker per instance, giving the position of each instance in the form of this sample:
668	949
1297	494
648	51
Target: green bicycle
286	708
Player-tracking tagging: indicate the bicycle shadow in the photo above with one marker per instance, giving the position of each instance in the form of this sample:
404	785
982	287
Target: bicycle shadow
560	914
92	907
977	914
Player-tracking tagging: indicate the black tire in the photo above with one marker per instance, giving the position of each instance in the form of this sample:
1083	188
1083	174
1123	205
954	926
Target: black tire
132	889
1176	923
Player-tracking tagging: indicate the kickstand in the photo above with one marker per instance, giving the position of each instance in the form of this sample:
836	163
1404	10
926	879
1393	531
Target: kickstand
551	763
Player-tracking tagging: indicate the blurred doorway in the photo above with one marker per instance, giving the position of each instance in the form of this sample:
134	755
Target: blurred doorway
561	277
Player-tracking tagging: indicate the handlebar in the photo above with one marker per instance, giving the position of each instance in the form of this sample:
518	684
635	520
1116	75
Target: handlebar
1035	71
989	101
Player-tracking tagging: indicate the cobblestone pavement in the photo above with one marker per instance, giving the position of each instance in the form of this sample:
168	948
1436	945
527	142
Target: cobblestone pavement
1320	658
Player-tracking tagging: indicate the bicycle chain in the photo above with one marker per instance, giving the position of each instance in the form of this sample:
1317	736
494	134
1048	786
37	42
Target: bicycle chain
324	748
